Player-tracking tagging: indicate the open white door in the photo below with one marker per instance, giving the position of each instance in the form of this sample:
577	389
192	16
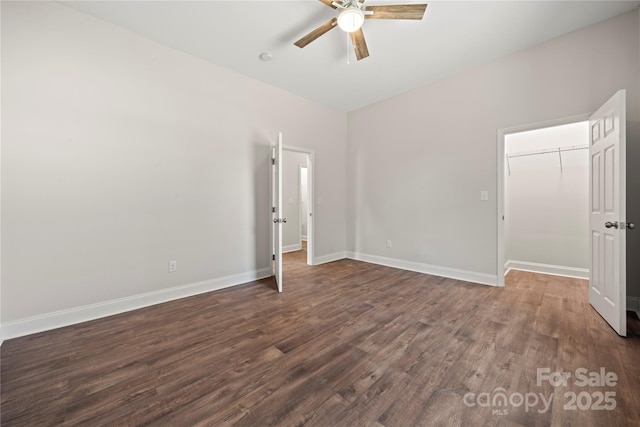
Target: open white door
278	221
607	201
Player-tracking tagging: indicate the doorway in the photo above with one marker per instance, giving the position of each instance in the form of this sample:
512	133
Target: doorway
295	172
282	203
607	207
297	190
537	166
546	197
304	203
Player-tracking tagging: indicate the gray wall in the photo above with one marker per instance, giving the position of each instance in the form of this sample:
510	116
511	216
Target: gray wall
417	162
120	154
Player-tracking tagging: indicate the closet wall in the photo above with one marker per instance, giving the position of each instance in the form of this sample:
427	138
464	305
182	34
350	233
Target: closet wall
546	200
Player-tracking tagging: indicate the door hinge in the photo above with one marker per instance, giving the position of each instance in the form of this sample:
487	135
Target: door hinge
273	209
273	257
273	160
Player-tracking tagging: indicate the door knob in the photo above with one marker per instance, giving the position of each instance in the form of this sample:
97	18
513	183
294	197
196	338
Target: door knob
631	225
610	224
284	219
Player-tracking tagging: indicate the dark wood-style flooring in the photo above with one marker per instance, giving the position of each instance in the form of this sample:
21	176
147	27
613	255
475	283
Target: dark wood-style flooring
345	344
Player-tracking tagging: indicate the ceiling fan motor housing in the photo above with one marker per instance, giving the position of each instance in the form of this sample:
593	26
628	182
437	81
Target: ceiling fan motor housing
351	19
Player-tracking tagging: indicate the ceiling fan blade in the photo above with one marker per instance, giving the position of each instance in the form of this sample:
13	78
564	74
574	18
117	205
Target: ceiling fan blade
359	44
396	11
317	32
328	3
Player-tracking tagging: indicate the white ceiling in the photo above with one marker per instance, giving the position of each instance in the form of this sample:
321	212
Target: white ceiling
453	36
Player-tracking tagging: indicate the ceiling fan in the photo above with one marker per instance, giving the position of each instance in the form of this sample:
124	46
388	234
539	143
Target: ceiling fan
352	16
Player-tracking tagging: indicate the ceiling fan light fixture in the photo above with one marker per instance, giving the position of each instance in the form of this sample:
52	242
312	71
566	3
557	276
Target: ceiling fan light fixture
350	19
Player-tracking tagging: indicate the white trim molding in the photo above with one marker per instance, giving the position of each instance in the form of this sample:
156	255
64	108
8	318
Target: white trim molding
434	270
337	256
556	270
292	248
86	313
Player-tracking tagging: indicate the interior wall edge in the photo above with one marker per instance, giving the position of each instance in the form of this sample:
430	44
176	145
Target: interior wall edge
633	304
62	318
291	248
555	270
324	259
434	270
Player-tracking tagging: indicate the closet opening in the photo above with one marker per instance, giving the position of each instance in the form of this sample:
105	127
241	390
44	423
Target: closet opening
545	199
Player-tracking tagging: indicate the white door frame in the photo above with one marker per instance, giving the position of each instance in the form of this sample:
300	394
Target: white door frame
276	210
310	196
502	133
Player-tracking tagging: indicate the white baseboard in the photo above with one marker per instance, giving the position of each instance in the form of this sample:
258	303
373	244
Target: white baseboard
556	270
85	313
292	248
452	273
633	304
329	258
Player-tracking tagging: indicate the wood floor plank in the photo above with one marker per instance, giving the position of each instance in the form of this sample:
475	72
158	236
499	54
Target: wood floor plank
409	409
368	406
324	414
608	358
348	343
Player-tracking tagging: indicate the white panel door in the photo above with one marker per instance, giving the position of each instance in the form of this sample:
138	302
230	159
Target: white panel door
607	204
278	221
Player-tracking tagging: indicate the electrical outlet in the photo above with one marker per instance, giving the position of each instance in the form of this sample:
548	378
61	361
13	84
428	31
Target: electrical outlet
389	244
173	266
484	195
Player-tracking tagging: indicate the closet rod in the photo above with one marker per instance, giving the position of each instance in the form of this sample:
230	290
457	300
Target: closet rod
558	150
548	150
